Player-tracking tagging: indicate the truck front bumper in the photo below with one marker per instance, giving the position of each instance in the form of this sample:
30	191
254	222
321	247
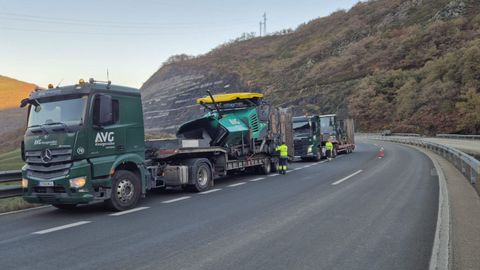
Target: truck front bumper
58	190
58	198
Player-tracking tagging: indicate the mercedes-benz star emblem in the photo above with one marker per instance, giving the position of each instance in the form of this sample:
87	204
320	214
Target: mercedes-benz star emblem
46	155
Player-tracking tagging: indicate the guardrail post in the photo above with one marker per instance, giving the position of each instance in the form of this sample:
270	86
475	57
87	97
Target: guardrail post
476	177
471	175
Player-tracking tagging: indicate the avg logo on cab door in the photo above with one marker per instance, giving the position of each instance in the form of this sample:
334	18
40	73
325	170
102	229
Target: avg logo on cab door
105	139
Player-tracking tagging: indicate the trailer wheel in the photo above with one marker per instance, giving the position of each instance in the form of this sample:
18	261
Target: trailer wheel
200	173
125	191
267	167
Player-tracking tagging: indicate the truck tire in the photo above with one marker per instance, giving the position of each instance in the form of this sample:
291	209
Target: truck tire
318	155
126	191
267	167
65	206
200	173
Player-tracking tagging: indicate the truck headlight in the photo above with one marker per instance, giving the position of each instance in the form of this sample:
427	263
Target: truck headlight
78	182
24	183
310	149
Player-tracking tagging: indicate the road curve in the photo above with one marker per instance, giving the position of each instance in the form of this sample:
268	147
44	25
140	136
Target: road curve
379	214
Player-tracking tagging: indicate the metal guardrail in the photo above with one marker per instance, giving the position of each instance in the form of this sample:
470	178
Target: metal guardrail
466	164
7	191
458	136
406	134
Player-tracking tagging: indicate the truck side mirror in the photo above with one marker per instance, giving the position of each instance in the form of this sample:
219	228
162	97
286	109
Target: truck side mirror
102	110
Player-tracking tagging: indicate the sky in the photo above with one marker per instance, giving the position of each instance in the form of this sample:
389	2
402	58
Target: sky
53	41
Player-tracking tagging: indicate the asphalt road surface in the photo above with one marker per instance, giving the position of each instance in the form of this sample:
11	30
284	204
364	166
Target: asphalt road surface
355	212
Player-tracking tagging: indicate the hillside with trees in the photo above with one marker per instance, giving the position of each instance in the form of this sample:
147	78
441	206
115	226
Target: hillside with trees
408	66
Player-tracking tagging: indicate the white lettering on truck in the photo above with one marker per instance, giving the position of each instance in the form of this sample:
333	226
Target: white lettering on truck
105	139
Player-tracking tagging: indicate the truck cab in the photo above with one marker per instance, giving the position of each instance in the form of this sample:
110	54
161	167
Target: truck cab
84	143
307	137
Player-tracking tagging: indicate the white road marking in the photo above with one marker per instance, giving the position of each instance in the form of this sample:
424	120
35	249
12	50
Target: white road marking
210	191
237	184
306	166
257	179
346	178
129	211
62	227
271	175
296	169
177	199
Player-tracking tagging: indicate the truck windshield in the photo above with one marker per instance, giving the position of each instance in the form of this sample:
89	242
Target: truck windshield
326	125
301	128
68	112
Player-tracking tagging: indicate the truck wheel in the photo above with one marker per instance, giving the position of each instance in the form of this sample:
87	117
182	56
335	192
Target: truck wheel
317	156
267	167
65	206
200	174
125	191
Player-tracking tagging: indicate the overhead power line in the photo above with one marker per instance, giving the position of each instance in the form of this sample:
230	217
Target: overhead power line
113	24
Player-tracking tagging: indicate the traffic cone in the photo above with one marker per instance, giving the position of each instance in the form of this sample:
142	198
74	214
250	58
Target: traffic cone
381	153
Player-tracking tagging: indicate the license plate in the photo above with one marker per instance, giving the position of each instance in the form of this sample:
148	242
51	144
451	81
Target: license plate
45	184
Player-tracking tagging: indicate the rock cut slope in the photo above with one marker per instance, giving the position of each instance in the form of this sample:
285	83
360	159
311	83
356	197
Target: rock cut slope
409	66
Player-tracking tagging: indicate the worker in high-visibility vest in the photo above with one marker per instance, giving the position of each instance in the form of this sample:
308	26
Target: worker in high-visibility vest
283	149
329	148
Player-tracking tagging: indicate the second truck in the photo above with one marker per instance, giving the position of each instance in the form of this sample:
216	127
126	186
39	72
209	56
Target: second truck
312	132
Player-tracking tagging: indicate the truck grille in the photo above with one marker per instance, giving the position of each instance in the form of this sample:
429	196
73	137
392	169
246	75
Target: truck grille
300	146
49	163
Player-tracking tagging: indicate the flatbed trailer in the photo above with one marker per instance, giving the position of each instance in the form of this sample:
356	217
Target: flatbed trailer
195	168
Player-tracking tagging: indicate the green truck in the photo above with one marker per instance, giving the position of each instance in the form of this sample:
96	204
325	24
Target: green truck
307	137
84	143
311	132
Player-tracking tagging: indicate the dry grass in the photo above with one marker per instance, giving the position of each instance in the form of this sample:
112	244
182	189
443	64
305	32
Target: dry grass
12	118
12	92
11	161
13	204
